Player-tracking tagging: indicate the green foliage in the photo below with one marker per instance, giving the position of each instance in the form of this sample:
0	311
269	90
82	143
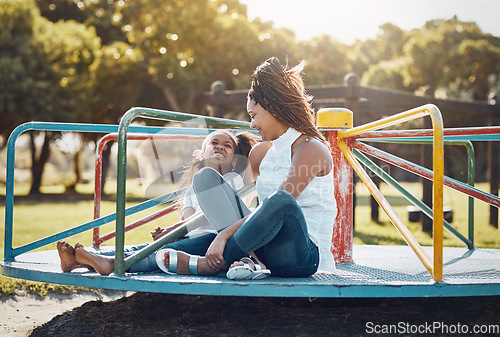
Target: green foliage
444	51
11	286
117	77
326	60
452	56
45	69
386	74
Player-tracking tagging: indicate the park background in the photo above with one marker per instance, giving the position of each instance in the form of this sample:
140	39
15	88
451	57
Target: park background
89	61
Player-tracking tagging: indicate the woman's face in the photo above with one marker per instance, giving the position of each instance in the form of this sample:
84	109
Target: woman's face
218	152
264	122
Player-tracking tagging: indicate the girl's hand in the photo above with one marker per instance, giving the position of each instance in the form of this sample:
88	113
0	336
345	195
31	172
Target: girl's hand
159	232
214	253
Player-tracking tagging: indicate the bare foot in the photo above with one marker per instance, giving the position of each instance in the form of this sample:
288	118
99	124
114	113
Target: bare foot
183	264
67	256
104	265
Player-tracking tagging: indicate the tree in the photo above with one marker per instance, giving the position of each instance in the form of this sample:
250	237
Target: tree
45	72
452	56
478	63
445	52
386	46
326	60
385	74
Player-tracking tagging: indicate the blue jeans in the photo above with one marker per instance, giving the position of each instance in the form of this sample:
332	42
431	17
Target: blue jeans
194	246
277	233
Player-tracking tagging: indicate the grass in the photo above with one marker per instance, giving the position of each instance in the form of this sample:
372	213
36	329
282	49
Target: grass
384	233
35	220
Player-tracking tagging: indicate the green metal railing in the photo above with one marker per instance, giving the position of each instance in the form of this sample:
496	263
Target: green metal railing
471	178
120	265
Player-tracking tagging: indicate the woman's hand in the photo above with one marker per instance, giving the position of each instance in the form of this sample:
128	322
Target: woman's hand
215	252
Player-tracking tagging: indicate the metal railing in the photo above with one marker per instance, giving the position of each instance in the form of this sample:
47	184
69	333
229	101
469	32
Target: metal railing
434	267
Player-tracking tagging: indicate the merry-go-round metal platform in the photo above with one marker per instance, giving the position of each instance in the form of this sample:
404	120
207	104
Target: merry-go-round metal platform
377	271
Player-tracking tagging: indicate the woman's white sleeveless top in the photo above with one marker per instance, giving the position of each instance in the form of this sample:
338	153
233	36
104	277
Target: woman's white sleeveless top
317	200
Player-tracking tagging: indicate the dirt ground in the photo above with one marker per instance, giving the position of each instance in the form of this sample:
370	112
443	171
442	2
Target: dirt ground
149	314
21	313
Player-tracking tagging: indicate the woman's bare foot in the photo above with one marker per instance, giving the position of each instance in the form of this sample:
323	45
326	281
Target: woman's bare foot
67	256
183	264
104	265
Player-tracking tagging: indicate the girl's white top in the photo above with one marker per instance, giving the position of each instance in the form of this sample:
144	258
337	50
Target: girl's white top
317	200
233	179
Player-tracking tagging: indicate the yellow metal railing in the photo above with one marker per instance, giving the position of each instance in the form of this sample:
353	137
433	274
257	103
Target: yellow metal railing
434	267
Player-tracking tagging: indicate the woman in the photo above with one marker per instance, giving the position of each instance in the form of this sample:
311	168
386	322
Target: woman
222	151
290	232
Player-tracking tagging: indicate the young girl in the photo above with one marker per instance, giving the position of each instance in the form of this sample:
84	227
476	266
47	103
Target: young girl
222	151
232	167
290	232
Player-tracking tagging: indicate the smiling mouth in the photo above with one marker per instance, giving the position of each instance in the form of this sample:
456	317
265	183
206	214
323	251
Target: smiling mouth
218	155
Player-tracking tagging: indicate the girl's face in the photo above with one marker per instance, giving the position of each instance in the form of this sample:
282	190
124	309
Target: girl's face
264	122
218	152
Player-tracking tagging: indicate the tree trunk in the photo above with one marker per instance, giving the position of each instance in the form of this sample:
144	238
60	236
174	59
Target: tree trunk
106	153
38	163
76	170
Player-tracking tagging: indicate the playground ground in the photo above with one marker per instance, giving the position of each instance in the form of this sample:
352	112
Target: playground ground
149	314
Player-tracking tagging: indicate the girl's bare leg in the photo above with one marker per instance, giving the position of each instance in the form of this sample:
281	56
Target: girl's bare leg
104	265
67	256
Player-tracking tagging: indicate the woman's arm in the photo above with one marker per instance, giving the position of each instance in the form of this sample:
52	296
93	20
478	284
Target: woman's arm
310	158
216	249
255	157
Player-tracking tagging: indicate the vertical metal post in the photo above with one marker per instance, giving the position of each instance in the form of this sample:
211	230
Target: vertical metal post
493	161
471	179
330	121
121	180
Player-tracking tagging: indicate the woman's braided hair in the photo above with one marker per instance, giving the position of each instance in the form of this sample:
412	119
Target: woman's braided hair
282	93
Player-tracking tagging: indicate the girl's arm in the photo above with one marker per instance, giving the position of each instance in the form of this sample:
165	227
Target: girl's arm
187	212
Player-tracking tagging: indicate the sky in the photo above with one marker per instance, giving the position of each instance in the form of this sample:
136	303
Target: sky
349	20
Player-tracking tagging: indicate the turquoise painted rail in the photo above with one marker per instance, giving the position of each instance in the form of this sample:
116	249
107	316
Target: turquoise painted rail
10	252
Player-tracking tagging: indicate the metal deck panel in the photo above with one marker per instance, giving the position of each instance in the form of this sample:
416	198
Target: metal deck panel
377	271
